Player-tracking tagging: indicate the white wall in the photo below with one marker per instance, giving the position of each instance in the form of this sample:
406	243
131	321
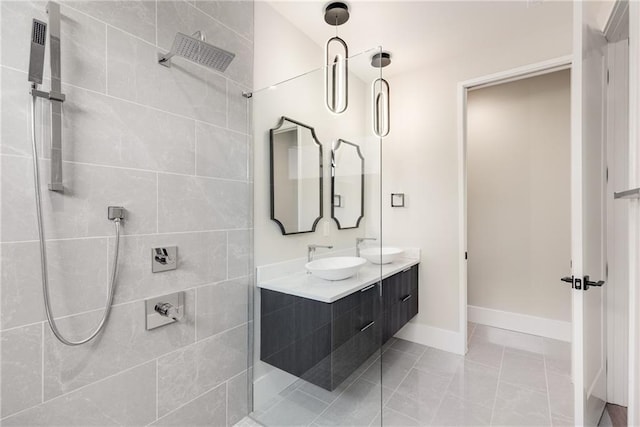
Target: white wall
518	196
420	158
301	99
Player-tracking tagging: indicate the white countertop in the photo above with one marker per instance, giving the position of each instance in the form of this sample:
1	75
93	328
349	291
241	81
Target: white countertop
306	285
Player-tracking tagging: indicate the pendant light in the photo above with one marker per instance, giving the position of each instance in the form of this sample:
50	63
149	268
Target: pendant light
336	74
380	97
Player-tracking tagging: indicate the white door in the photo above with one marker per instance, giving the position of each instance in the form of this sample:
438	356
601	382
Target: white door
587	213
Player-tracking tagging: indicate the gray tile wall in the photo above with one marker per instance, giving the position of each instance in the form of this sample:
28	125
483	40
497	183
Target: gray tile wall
171	145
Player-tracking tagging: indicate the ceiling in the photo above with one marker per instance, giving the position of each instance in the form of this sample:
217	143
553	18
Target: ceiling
420	33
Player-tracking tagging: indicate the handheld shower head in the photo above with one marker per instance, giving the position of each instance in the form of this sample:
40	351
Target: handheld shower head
36	56
199	51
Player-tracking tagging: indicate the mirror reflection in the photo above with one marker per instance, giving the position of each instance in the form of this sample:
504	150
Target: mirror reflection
296	177
347	184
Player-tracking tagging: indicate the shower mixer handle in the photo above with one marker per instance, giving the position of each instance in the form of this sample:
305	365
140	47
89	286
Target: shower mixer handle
167	309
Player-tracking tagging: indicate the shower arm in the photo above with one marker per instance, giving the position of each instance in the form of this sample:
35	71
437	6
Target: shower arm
164	59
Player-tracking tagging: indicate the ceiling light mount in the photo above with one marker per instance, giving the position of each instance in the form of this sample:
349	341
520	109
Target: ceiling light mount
380	60
336	13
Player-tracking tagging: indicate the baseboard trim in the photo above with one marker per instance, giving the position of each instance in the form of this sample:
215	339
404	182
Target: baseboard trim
540	326
431	336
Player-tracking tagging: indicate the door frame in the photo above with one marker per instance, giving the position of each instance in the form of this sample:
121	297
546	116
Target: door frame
634	215
515	74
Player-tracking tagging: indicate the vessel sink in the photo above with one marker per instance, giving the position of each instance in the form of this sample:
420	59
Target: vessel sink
381	255
335	268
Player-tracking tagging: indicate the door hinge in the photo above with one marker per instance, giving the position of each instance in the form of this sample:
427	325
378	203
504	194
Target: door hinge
466	255
606	270
606	175
607	76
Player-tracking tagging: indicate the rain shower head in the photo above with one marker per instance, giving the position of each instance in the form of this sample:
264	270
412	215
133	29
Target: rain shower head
196	49
36	56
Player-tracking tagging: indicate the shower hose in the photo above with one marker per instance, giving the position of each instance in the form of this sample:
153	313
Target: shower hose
43	251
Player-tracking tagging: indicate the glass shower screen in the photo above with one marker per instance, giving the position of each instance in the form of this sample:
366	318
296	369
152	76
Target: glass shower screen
315	336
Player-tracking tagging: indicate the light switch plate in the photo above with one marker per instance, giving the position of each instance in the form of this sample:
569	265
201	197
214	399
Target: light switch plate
164	259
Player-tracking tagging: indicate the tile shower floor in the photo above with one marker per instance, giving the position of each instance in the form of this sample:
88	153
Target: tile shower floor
507	378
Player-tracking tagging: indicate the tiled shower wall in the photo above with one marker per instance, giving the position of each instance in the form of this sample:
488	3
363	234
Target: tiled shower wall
171	146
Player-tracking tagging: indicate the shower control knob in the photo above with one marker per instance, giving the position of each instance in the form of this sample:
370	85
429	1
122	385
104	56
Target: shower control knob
168	310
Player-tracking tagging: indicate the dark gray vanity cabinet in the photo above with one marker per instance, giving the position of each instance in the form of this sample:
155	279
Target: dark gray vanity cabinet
324	343
400	301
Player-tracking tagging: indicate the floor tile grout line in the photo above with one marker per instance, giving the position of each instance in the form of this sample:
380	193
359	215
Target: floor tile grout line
352	383
495	398
520	386
384	404
408	372
444	395
546	380
309	395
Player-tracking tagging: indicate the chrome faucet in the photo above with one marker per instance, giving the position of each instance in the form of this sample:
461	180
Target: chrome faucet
311	249
360	240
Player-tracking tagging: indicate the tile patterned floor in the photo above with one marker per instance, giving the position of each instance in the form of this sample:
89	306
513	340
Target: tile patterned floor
507	379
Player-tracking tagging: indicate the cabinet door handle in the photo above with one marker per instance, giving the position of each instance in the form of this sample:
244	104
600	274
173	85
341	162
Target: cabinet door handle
367	326
408	297
367	288
407	269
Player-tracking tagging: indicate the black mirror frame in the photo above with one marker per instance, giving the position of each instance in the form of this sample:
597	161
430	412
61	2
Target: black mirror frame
333	183
271	176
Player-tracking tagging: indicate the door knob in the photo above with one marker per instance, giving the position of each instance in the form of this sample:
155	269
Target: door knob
588	283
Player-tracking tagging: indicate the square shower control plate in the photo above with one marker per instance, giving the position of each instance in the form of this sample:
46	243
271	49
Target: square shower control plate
153	319
164	259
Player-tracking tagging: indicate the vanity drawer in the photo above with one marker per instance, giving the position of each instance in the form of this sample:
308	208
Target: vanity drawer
352	313
400	299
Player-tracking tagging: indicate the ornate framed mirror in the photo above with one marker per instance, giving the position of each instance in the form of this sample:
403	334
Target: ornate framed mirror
296	177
